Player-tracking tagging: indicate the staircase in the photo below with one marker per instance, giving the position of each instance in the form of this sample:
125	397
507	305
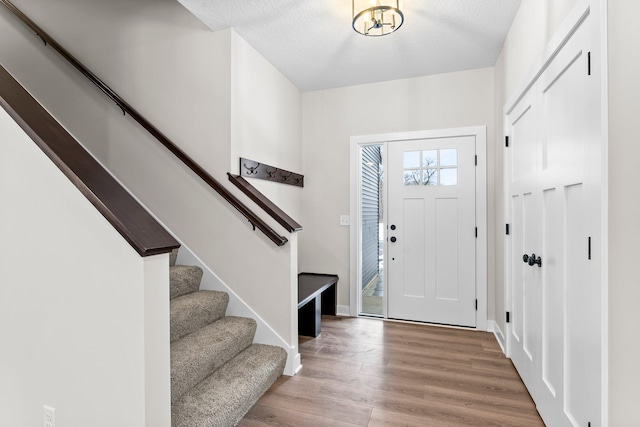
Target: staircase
217	373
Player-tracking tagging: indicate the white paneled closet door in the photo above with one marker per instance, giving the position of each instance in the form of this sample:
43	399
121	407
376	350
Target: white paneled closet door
554	258
524	229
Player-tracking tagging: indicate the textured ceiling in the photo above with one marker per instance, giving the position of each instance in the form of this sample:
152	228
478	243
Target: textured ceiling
312	42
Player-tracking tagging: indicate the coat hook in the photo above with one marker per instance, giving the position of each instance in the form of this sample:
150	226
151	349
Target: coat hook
252	170
284	177
272	173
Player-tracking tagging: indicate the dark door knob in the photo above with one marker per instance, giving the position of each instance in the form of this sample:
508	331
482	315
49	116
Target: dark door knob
533	260
525	258
393	239
393	227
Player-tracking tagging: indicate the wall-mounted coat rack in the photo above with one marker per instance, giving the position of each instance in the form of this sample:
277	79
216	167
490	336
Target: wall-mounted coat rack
253	169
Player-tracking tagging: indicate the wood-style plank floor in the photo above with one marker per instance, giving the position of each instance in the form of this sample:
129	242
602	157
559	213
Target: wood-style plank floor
367	372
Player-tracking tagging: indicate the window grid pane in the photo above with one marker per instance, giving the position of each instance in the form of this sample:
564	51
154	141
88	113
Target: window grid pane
411	159
412	177
430	177
430	158
449	176
431	167
449	157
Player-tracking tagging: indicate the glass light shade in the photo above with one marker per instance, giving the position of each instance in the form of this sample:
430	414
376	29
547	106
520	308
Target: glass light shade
376	17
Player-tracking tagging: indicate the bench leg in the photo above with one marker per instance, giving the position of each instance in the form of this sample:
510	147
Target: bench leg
309	318
329	301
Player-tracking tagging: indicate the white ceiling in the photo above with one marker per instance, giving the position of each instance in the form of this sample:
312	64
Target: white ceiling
312	42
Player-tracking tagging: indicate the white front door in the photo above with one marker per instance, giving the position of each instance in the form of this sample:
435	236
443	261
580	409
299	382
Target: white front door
431	230
553	210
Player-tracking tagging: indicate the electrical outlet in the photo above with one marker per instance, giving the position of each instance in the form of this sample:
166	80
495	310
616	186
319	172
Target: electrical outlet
48	416
344	220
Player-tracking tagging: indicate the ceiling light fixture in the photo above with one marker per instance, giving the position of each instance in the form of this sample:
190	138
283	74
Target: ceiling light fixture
376	17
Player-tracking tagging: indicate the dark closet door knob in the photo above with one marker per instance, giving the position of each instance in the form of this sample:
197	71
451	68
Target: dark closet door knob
393	227
393	239
533	260
525	258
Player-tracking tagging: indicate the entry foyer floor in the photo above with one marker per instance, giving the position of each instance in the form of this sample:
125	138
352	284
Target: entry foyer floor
369	372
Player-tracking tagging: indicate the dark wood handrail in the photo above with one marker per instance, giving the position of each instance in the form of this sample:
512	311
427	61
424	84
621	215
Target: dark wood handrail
255	221
261	200
126	215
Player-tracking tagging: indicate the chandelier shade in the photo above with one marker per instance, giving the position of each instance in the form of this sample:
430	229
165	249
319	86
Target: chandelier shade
376	17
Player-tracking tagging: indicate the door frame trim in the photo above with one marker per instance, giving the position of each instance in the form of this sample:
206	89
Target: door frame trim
480	134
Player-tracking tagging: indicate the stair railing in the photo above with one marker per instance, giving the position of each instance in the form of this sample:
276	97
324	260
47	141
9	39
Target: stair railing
267	205
255	221
119	207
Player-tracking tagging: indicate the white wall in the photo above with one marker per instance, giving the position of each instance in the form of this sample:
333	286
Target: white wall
534	25
176	73
266	122
624	212
331	117
74	298
164	62
157	354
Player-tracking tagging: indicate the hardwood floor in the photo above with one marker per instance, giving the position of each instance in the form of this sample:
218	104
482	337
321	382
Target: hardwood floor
366	372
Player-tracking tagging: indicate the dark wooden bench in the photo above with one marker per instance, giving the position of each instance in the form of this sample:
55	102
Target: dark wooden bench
316	296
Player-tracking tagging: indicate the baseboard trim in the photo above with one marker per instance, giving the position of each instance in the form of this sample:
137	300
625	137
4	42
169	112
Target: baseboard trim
490	326
295	372
292	369
343	310
500	337
237	307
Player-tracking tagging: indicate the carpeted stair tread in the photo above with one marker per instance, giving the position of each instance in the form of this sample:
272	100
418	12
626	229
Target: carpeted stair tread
183	280
224	397
197	355
193	311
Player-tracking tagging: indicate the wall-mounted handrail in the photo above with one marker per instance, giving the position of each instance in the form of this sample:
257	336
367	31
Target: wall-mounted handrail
255	221
124	213
267	205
